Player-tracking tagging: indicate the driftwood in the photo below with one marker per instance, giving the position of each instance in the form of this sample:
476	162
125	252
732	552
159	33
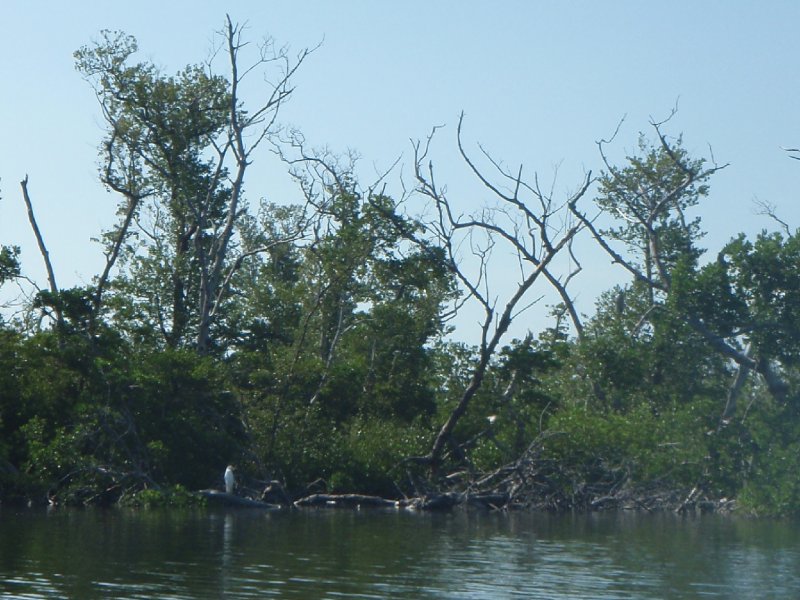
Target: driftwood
535	481
345	501
537	493
444	501
224	499
437	502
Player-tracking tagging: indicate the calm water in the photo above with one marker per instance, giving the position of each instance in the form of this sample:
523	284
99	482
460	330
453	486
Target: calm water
365	554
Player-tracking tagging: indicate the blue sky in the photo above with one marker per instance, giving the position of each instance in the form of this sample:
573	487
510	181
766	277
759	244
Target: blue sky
540	83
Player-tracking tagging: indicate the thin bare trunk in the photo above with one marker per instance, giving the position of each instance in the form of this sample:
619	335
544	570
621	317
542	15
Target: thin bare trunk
51	277
735	391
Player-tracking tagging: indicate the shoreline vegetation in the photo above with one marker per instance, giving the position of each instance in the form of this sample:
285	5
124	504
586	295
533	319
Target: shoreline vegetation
311	345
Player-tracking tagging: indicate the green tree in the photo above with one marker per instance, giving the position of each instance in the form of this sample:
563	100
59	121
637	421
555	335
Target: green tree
650	198
335	329
747	302
9	263
177	150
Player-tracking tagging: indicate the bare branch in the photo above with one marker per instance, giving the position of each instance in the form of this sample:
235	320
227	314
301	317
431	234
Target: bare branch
793	151
516	226
768	209
616	256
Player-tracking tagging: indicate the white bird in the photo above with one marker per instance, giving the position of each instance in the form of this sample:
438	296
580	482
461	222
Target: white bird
230	480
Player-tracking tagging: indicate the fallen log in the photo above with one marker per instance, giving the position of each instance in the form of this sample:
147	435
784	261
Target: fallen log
345	501
224	499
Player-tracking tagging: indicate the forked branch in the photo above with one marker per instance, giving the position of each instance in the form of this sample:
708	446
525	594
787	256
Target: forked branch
524	222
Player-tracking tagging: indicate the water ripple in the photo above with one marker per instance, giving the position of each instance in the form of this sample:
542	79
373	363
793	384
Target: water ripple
334	555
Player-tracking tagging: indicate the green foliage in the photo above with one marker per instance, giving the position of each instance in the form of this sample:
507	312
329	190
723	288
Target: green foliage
187	423
521	392
9	263
372	454
639	446
650	196
770	461
310	347
643	354
76	417
162	134
765	277
336	333
708	294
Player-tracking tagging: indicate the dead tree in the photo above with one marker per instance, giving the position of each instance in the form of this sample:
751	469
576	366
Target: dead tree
525	222
51	277
244	133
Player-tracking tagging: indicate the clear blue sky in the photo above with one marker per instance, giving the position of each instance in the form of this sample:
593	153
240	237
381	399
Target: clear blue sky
540	82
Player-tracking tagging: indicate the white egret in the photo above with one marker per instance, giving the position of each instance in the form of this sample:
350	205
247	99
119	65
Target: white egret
230	480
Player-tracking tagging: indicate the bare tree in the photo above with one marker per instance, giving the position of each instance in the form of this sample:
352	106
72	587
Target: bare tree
525	222
51	277
245	132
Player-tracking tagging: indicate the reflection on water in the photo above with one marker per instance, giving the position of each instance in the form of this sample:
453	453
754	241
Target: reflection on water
227	538
365	554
